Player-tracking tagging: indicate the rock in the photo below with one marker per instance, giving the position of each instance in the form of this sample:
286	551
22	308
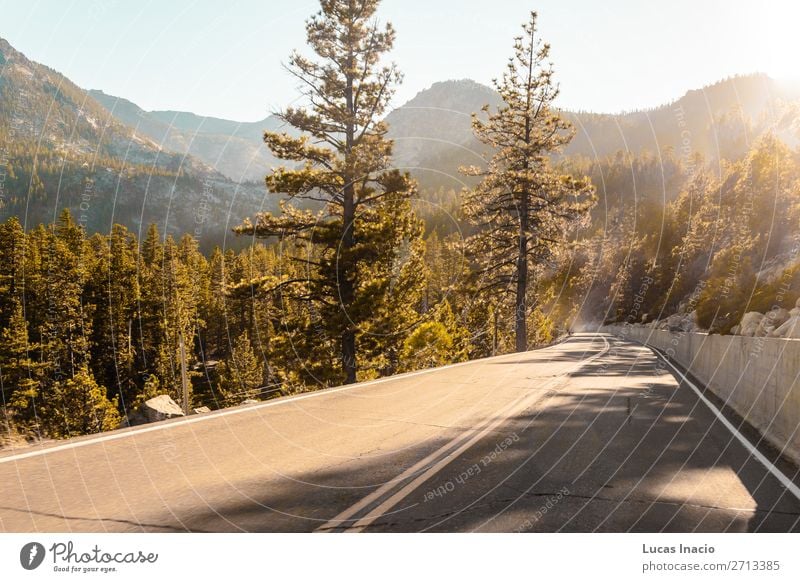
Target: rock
686	322
249	401
675	323
690	322
772	320
790	329
749	323
795	311
202	410
156	409
735	329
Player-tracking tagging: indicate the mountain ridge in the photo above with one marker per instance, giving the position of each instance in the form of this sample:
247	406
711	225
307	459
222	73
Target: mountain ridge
433	136
160	165
62	149
234	149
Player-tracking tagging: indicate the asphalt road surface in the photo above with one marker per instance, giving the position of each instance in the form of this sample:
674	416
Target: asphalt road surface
592	434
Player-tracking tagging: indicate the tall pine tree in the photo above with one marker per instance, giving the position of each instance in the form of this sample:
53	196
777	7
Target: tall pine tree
522	208
341	163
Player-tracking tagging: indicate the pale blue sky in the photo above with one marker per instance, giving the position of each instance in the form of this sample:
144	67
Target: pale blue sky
223	58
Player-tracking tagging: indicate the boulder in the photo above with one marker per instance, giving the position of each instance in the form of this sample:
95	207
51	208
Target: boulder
158	408
690	322
675	323
795	311
249	401
202	410
771	321
686	322
750	322
790	329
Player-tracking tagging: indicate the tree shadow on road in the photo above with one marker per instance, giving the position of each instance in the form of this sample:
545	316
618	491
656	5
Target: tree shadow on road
638	453
617	446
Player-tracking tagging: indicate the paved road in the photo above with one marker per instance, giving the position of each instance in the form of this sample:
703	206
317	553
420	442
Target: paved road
593	434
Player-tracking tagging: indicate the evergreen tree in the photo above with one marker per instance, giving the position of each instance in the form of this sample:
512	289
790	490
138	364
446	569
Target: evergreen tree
341	160
12	253
78	406
437	342
147	327
213	308
114	290
179	322
242	374
67	319
522	208
20	377
428	346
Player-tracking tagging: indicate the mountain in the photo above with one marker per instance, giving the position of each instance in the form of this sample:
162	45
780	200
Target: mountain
110	161
717	121
433	134
433	131
234	149
61	149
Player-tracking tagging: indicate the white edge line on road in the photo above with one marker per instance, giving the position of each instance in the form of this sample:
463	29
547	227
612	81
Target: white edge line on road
777	473
204	417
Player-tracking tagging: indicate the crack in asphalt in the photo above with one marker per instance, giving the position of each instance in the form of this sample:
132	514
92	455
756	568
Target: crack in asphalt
138	524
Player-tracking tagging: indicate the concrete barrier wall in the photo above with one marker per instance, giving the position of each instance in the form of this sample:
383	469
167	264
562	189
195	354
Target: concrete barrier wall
758	377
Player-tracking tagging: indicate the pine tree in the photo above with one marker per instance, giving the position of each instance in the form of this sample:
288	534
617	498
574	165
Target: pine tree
79	406
20	377
393	290
522	208
242	374
341	161
179	322
12	253
147	327
213	309
113	288
428	346
437	342
67	318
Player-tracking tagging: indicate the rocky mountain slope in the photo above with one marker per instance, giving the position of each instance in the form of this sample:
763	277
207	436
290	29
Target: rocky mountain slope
234	149
61	149
433	134
434	137
111	161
